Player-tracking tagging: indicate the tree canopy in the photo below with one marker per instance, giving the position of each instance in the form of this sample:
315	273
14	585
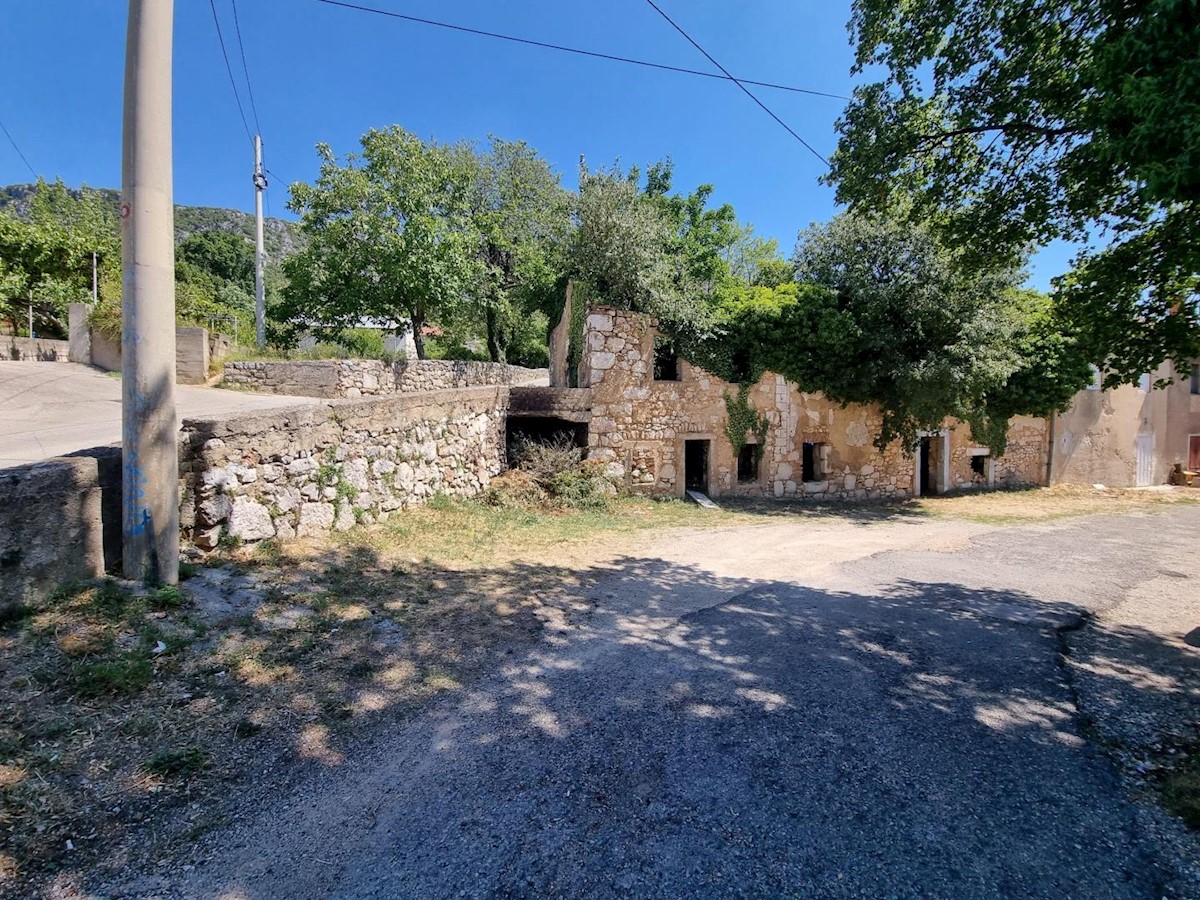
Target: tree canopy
49	254
1005	124
522	218
883	314
390	237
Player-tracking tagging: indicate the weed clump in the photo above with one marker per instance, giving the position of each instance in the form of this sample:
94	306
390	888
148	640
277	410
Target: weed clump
179	764
552	474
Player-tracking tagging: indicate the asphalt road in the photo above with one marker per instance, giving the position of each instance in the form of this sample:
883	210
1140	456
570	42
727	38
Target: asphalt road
841	708
48	409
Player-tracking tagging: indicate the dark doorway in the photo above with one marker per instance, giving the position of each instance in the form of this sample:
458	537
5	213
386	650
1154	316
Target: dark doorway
925	466
695	465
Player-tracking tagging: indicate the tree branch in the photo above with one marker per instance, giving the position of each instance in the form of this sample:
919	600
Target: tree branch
1005	128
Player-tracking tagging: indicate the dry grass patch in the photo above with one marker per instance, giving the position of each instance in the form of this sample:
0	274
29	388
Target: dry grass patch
1021	507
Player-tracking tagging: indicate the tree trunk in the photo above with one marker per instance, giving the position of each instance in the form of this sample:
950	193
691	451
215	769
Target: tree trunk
418	323
495	350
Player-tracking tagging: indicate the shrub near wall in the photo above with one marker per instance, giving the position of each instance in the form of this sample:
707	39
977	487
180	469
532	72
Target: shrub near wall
311	469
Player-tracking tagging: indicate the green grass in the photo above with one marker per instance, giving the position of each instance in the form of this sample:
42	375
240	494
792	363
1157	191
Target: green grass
1181	790
466	531
181	764
125	673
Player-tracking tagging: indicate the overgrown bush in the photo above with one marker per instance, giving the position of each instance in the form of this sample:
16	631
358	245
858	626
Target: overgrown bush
551	473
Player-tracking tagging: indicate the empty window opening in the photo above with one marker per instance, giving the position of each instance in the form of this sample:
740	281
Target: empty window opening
740	366
1196	379
747	464
1097	378
810	462
979	469
666	360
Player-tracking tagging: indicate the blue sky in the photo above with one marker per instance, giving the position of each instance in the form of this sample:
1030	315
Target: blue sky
322	73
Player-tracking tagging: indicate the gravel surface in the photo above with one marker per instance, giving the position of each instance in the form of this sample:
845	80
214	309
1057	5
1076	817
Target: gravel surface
829	708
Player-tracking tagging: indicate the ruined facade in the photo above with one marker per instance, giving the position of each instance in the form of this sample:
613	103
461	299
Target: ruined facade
668	436
1133	435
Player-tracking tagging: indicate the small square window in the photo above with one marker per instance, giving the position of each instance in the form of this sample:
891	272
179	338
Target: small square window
810	461
979	469
747	464
666	361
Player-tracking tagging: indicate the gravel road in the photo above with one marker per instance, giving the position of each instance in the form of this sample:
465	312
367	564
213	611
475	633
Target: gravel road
842	707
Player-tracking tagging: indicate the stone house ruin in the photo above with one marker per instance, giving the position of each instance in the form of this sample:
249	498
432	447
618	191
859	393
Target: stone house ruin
664	429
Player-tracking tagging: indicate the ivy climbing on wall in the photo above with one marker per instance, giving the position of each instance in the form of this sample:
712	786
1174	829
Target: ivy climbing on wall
743	419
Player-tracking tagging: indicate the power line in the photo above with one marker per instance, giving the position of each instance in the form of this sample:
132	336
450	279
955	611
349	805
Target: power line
18	149
740	85
595	55
246	69
229	69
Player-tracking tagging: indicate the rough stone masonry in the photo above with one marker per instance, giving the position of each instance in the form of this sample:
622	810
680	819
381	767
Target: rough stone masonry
306	470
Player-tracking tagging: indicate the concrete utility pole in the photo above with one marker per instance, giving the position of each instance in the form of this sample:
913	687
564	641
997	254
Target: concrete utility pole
95	287
260	254
150	461
31	314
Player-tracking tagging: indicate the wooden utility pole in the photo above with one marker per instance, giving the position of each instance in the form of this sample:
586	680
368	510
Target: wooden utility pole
260	254
150	462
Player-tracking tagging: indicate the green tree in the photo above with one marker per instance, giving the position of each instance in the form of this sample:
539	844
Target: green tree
701	236
390	238
522	217
1008	123
619	246
225	256
49	254
884	315
652	251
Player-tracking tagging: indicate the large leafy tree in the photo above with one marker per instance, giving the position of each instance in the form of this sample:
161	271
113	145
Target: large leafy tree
883	314
646	249
48	253
522	218
1004	124
390	238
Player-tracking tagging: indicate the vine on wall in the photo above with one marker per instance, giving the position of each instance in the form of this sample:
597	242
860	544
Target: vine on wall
743	419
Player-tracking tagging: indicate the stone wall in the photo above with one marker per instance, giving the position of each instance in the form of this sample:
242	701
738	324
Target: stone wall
51	527
350	378
641	427
307	470
33	349
193	349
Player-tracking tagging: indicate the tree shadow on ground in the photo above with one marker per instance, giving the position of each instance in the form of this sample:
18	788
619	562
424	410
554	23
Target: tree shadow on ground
648	727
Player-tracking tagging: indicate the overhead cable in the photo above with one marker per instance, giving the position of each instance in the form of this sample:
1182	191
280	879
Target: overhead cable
740	84
564	49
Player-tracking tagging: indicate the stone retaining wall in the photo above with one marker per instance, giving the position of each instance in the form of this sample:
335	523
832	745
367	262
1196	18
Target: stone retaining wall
351	378
307	470
33	349
51	527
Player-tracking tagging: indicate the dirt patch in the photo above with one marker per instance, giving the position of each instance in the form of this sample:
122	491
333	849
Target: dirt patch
123	708
1019	507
